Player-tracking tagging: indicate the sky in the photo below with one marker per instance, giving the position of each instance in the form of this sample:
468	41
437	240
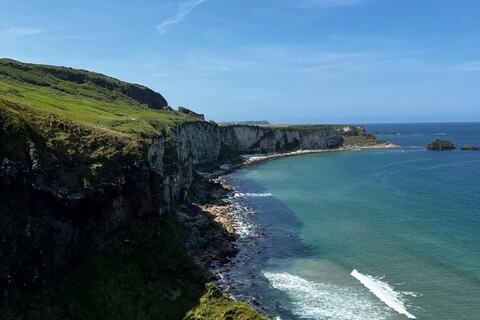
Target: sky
284	61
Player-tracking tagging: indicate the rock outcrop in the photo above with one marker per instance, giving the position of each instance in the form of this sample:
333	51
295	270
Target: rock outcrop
438	144
470	148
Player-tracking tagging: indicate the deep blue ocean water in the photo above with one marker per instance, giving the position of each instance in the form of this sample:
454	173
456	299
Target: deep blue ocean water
377	234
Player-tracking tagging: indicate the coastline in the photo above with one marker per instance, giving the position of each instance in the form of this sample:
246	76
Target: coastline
249	159
233	231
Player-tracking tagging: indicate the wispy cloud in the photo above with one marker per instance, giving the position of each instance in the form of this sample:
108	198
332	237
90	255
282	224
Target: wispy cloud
331	3
183	10
471	66
294	60
21	32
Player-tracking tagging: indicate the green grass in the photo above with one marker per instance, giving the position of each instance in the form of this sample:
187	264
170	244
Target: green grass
71	154
363	140
105	106
143	272
82	127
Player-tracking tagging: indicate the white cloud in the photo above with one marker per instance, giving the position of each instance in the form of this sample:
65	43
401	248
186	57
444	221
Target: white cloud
471	66
183	10
283	59
331	3
21	32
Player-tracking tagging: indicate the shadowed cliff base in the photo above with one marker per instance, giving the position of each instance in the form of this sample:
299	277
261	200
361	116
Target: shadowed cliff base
143	272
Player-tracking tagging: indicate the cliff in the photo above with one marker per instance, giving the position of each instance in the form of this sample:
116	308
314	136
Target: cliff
87	192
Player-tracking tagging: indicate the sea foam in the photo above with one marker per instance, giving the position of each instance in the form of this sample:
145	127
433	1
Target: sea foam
384	292
255	195
313	300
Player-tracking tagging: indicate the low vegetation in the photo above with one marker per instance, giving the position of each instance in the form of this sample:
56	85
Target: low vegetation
361	140
144	272
88	98
80	127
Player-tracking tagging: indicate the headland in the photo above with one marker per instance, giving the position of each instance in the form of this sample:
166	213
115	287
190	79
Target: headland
102	186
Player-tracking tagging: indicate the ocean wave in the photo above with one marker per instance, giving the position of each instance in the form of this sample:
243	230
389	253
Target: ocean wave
253	195
243	227
384	292
448	165
314	300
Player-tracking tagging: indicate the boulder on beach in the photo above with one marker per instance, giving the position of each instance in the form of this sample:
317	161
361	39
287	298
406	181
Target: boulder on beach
438	144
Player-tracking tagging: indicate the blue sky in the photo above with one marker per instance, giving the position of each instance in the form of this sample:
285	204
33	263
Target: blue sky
285	61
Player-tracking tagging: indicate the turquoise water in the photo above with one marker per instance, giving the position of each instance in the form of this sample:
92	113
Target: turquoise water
406	220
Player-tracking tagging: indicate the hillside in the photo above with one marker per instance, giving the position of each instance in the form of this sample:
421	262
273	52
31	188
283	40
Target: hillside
79	126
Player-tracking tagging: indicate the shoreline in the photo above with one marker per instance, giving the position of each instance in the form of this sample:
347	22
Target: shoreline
232	229
249	159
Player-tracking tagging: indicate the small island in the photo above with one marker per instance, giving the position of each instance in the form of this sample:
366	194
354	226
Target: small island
438	144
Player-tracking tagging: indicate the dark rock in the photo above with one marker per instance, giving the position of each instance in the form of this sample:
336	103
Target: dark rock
470	148
438	144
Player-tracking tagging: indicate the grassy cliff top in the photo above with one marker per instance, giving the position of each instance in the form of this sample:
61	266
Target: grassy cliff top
87	98
77	126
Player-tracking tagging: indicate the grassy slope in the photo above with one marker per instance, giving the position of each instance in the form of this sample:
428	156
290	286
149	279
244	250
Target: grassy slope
81	133
99	104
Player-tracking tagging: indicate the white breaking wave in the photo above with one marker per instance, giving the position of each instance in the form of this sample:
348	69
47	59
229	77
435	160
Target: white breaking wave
240	194
314	300
384	292
243	227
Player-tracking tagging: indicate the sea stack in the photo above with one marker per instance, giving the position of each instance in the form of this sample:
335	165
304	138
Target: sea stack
438	144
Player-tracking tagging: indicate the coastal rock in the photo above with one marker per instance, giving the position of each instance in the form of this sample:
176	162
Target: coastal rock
470	148
438	144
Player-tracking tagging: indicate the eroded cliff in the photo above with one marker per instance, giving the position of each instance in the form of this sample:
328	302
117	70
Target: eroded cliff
47	228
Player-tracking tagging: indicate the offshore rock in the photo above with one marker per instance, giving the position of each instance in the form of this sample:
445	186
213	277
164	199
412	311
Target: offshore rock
470	148
438	144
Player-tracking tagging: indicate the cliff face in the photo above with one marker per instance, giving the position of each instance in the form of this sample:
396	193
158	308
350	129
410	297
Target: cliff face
45	229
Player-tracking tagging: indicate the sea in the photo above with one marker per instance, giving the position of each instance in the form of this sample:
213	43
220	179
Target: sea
371	234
